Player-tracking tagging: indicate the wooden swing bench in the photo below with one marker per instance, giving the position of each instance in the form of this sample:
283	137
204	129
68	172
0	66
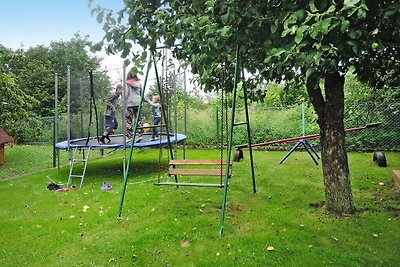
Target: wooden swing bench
174	171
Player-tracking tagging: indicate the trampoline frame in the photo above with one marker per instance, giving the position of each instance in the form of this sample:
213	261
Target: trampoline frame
93	144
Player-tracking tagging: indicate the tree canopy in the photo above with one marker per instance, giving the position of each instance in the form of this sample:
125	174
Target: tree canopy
27	82
280	40
313	43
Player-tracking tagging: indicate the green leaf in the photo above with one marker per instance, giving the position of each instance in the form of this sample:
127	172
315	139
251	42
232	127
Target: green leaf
298	37
224	31
314	32
361	14
303	28
108	36
325	24
276	52
187	20
354	47
293	29
300	14
285	32
225	18
313	8
317	58
127	62
349	4
274	27
345	26
96	47
355	34
331	9
143	56
100	16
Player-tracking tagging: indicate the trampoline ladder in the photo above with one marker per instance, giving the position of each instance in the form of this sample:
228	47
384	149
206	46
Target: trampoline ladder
84	161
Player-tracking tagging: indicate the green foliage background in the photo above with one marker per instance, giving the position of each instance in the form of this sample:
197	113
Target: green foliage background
27	82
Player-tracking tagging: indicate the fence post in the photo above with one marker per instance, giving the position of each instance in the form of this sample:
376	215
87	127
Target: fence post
55	125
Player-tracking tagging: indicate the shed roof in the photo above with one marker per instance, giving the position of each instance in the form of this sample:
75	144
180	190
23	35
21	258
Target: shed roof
4	137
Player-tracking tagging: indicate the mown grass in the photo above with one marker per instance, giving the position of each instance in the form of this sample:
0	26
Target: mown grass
168	226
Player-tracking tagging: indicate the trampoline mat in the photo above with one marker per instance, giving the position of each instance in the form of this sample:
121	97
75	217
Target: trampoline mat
117	142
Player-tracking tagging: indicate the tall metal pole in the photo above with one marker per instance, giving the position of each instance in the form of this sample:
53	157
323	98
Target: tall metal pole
164	115
227	168
184	112
81	105
55	118
133	141
123	117
248	130
217	121
303	123
81	112
69	113
175	111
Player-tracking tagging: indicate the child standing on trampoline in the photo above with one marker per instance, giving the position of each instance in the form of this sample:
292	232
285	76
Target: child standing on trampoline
133	95
156	112
109	115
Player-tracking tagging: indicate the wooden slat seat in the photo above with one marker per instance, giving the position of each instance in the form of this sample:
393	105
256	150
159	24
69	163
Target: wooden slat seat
198	162
191	184
198	172
193	168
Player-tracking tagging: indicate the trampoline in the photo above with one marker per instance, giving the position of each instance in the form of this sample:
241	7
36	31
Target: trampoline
117	141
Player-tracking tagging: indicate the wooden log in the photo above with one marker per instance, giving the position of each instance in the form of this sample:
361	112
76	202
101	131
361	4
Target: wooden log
396	177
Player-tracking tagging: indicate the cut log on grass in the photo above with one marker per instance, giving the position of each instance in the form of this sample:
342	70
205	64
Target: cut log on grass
396	177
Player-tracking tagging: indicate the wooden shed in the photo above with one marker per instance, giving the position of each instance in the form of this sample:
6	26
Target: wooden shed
4	139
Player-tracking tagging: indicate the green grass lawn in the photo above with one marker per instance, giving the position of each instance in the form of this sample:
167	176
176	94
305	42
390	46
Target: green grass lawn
169	226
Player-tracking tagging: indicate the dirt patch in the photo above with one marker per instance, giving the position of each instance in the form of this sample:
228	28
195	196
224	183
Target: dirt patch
234	208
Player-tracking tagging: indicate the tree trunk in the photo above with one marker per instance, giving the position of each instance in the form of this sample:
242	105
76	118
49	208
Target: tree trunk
335	168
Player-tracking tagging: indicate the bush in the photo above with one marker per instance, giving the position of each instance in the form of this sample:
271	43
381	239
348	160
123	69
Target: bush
267	124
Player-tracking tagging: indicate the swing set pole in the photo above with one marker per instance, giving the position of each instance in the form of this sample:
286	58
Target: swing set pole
163	110
248	131
227	176
164	115
126	171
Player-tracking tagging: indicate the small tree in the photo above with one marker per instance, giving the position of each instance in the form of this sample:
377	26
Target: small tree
34	70
16	108
304	42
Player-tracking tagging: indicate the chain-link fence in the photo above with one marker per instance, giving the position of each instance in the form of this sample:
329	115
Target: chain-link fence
37	154
384	137
35	143
273	123
203	129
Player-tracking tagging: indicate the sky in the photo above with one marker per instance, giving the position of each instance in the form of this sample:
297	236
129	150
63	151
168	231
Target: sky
29	23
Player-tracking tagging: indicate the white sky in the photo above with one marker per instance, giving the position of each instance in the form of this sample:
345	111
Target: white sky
29	23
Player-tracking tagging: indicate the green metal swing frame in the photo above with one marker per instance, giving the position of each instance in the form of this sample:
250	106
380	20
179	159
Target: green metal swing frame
239	74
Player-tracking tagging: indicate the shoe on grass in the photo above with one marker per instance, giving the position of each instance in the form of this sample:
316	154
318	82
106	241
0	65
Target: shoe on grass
106	186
